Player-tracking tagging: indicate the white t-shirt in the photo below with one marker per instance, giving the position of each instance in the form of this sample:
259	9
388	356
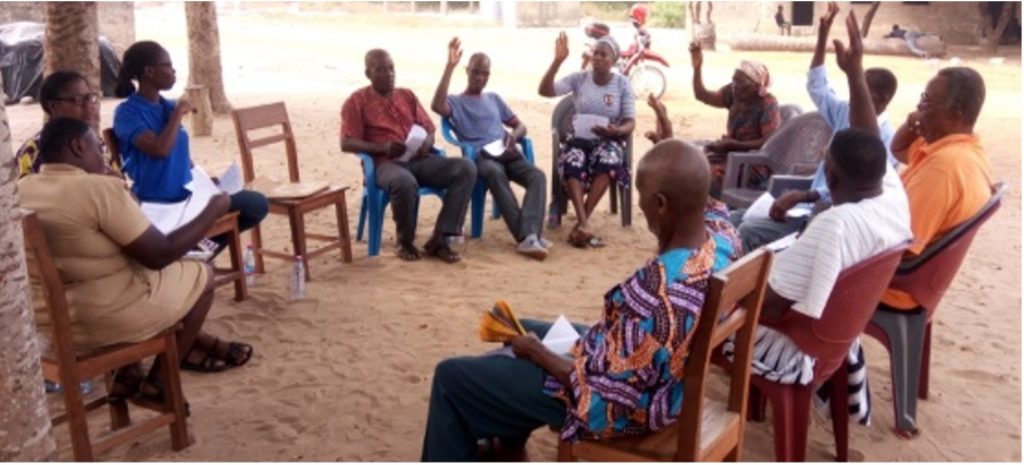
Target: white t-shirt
836	239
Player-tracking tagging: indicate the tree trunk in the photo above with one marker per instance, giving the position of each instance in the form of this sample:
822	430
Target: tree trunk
694	11
868	17
995	33
204	66
72	42
25	431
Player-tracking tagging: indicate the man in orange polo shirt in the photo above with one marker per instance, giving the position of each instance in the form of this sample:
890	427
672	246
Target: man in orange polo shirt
948	178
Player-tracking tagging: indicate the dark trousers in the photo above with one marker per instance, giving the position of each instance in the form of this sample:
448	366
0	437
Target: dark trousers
251	206
523	221
402	182
484	397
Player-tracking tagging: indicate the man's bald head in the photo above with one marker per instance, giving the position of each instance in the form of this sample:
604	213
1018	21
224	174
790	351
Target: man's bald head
380	70
479	58
375	55
678	171
478	72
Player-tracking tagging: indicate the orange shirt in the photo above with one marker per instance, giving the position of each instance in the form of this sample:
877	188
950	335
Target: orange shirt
947	182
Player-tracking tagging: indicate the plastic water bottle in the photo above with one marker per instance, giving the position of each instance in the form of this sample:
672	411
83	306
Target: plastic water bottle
249	266
298	279
54	388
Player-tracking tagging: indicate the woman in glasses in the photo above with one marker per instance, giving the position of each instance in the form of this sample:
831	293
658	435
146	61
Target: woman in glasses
64	94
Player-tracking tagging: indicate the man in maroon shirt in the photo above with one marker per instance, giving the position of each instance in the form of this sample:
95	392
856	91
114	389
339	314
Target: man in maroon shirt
377	120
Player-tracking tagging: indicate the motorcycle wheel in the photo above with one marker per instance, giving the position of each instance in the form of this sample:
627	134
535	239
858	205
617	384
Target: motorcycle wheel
647	79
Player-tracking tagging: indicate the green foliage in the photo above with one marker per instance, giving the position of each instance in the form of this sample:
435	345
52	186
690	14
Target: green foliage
606	11
668	14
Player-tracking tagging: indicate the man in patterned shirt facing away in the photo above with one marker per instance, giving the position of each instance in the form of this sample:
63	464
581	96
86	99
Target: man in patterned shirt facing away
625	375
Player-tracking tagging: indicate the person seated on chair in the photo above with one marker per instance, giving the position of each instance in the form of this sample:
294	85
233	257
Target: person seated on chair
125	280
63	94
494	396
948	177
589	163
759	231
377	120
154	144
753	115
867	217
479	119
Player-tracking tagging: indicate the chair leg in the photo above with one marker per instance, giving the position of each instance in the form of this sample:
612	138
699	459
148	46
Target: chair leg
235	249
926	363
839	405
477	207
78	424
119	416
341	211
757	405
790	409
257	243
905	331
175	396
298	224
362	218
613	197
375	214
565	451
627	207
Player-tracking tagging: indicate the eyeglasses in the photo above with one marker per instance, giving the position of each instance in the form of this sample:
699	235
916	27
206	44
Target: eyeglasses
80	100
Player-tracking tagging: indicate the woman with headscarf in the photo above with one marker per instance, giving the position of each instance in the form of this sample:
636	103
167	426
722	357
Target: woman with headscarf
588	166
753	115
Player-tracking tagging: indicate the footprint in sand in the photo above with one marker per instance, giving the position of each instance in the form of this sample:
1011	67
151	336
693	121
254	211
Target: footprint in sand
977	375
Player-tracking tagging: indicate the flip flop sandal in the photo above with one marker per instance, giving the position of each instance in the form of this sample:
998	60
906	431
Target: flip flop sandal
444	253
208	364
238	354
410	254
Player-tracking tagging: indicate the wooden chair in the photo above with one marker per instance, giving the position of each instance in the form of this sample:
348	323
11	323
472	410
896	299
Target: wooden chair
270	116
66	367
227	224
707	429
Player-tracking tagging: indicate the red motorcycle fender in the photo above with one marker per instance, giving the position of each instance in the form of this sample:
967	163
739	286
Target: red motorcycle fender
649	55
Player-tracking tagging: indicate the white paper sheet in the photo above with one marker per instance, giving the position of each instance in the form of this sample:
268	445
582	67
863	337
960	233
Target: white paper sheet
760	208
782	243
582	123
496	148
413	142
231	180
799	211
561	337
168	217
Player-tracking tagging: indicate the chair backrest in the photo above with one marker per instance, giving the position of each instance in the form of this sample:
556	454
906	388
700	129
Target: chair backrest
927	276
850	306
732	306
116	162
43	270
798	146
561	127
267	116
790	111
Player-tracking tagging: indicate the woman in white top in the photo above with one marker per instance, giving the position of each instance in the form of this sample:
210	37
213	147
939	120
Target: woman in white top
588	166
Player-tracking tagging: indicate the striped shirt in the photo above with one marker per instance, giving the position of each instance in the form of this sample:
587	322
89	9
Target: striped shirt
613	100
628	368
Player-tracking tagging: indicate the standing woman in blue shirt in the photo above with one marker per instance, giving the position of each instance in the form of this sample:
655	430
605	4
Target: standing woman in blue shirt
152	140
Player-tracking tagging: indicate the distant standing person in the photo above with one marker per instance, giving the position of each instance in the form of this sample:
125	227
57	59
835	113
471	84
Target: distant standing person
785	27
480	118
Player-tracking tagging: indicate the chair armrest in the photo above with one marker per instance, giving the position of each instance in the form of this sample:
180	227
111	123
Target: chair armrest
527	146
780	183
805	169
448	132
735	166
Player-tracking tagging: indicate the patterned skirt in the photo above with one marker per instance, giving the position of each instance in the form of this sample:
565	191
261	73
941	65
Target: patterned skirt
607	157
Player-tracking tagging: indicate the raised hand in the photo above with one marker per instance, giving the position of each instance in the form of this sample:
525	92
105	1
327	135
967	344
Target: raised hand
850	58
184	107
696	55
655	104
825	22
454	52
561	47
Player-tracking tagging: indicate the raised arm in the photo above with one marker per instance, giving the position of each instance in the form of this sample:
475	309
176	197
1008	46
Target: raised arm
160	145
547	83
862	111
154	250
664	125
440	102
712	97
824	27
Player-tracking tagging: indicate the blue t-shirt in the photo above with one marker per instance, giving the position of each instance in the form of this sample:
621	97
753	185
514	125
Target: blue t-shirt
155	179
479	119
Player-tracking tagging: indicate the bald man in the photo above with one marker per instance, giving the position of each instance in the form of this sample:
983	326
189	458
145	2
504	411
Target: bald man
377	120
481	118
505	398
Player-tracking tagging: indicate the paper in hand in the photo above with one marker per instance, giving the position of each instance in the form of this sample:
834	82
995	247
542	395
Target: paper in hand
582	124
413	142
496	148
231	180
561	337
168	217
761	207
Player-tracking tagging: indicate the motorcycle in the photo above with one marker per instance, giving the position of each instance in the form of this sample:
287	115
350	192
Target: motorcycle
639	63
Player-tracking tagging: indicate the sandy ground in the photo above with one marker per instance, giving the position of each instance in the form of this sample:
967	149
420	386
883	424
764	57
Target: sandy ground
344	374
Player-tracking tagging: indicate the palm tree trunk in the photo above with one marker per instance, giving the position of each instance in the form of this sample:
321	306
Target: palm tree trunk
25	431
994	27
868	17
72	41
204	67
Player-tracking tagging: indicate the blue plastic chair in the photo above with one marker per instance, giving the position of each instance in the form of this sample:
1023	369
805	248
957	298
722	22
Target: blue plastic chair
375	200
480	190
